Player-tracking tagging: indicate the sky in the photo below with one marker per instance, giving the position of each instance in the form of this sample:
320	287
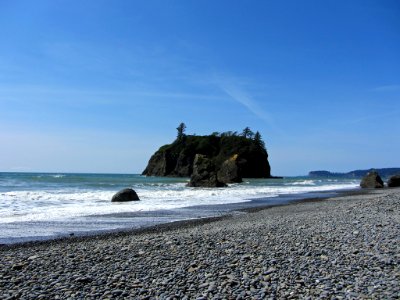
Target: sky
98	86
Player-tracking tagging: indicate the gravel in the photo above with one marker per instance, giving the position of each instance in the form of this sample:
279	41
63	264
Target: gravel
340	248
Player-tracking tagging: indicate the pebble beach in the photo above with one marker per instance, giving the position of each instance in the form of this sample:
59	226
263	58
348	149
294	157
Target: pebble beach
347	247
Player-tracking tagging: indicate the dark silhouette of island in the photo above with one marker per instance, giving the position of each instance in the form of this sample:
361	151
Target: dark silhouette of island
383	172
224	157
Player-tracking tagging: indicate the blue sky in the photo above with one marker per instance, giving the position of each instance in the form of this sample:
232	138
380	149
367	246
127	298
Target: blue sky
98	86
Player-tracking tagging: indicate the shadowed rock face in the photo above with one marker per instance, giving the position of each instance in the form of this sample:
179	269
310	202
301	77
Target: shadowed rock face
394	181
372	181
230	171
125	195
160	164
177	159
204	174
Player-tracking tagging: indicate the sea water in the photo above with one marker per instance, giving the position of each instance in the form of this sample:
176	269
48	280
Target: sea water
45	205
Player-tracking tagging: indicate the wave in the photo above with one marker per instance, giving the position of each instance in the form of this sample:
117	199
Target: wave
58	176
61	204
304	182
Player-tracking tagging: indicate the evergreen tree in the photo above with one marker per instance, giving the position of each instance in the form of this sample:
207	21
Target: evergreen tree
247	133
258	140
181	131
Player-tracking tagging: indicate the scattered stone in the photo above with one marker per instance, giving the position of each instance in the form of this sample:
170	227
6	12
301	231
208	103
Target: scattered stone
18	266
125	195
372	181
343	248
83	279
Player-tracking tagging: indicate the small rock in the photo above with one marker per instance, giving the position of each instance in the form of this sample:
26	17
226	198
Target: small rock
18	266
84	279
270	271
125	195
117	292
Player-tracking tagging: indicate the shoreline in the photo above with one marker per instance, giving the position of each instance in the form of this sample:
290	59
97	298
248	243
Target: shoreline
225	211
341	247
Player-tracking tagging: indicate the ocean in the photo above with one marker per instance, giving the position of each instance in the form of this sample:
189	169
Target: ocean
38	206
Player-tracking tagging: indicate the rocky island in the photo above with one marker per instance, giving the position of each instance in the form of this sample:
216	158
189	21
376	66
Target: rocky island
212	160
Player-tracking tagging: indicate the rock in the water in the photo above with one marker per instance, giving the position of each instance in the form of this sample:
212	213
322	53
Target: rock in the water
394	181
177	159
229	171
204	174
125	195
372	181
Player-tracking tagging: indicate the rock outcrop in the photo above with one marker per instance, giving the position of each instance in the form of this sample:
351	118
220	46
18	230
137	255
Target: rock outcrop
204	174
160	164
394	181
177	159
230	171
372	181
125	195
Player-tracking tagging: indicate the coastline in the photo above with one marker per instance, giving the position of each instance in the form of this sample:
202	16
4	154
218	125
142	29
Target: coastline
343	247
132	222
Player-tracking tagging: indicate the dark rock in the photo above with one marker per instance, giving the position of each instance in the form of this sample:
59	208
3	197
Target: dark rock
18	266
177	159
229	171
160	164
204	174
372	180
184	165
394	181
125	195
84	279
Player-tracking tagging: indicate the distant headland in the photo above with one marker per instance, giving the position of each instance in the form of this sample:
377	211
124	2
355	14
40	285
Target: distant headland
212	160
384	172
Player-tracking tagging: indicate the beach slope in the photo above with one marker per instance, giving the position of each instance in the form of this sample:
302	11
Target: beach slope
344	247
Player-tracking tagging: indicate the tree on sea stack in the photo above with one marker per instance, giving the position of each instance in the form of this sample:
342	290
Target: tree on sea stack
181	131
258	140
247	133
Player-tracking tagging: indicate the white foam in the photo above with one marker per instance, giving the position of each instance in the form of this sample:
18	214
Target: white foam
22	206
58	176
304	182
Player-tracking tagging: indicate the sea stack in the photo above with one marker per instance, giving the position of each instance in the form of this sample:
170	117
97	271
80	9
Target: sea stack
371	181
234	156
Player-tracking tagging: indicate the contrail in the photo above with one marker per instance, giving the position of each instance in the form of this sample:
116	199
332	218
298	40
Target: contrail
238	95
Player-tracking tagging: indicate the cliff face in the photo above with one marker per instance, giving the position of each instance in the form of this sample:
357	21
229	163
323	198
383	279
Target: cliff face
177	159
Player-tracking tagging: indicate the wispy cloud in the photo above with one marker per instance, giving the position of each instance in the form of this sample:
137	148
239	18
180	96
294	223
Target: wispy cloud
237	93
373	117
